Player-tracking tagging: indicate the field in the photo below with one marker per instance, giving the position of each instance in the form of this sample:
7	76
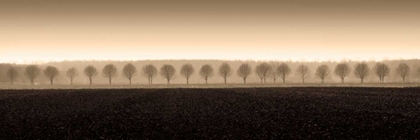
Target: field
211	113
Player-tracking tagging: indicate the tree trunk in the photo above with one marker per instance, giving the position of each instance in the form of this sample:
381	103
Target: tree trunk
169	81
284	80
322	80
130	80
109	81
265	82
244	80
303	80
71	81
32	81
90	80
188	82
51	81
274	80
342	80
361	80
206	81
11	81
403	79
225	80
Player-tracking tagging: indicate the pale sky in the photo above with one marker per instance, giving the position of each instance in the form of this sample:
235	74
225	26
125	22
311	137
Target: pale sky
50	30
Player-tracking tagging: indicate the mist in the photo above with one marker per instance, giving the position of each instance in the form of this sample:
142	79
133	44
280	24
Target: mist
195	78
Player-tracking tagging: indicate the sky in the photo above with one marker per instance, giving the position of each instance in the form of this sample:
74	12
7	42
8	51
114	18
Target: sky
300	30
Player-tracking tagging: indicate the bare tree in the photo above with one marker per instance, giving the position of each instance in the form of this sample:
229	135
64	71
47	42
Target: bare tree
90	72
361	71
322	72
303	72
12	73
225	71
71	73
186	71
129	71
51	72
206	72
168	72
283	70
381	70
263	71
403	70
149	71
109	71
32	72
342	70
274	74
244	71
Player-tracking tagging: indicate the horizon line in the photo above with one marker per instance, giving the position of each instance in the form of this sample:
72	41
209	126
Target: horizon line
42	62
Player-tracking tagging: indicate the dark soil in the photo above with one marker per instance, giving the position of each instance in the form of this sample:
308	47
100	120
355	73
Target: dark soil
248	113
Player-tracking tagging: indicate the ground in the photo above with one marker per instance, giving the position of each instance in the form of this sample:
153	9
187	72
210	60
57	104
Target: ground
211	113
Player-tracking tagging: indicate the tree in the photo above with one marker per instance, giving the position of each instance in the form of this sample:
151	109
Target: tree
90	72
109	71
274	74
51	72
129	71
381	70
361	71
71	73
186	71
303	72
32	72
149	71
168	72
244	71
322	72
225	71
263	71
206	71
283	70
12	73
342	70
403	70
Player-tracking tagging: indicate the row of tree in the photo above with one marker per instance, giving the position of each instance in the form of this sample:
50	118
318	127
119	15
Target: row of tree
263	71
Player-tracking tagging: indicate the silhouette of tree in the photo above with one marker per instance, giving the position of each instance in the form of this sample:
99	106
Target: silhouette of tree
109	71
303	72
225	71
244	71
361	71
129	71
274	74
168	72
51	72
403	70
32	72
342	70
206	72
283	70
149	71
322	72
381	70
71	73
186	71
263	71
90	72
12	73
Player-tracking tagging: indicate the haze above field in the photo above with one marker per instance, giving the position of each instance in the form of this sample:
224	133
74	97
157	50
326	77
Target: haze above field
51	30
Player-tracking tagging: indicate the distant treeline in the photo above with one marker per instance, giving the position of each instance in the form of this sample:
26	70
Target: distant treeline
210	71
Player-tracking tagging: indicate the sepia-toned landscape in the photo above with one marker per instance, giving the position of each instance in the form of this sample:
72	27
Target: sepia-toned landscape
216	69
